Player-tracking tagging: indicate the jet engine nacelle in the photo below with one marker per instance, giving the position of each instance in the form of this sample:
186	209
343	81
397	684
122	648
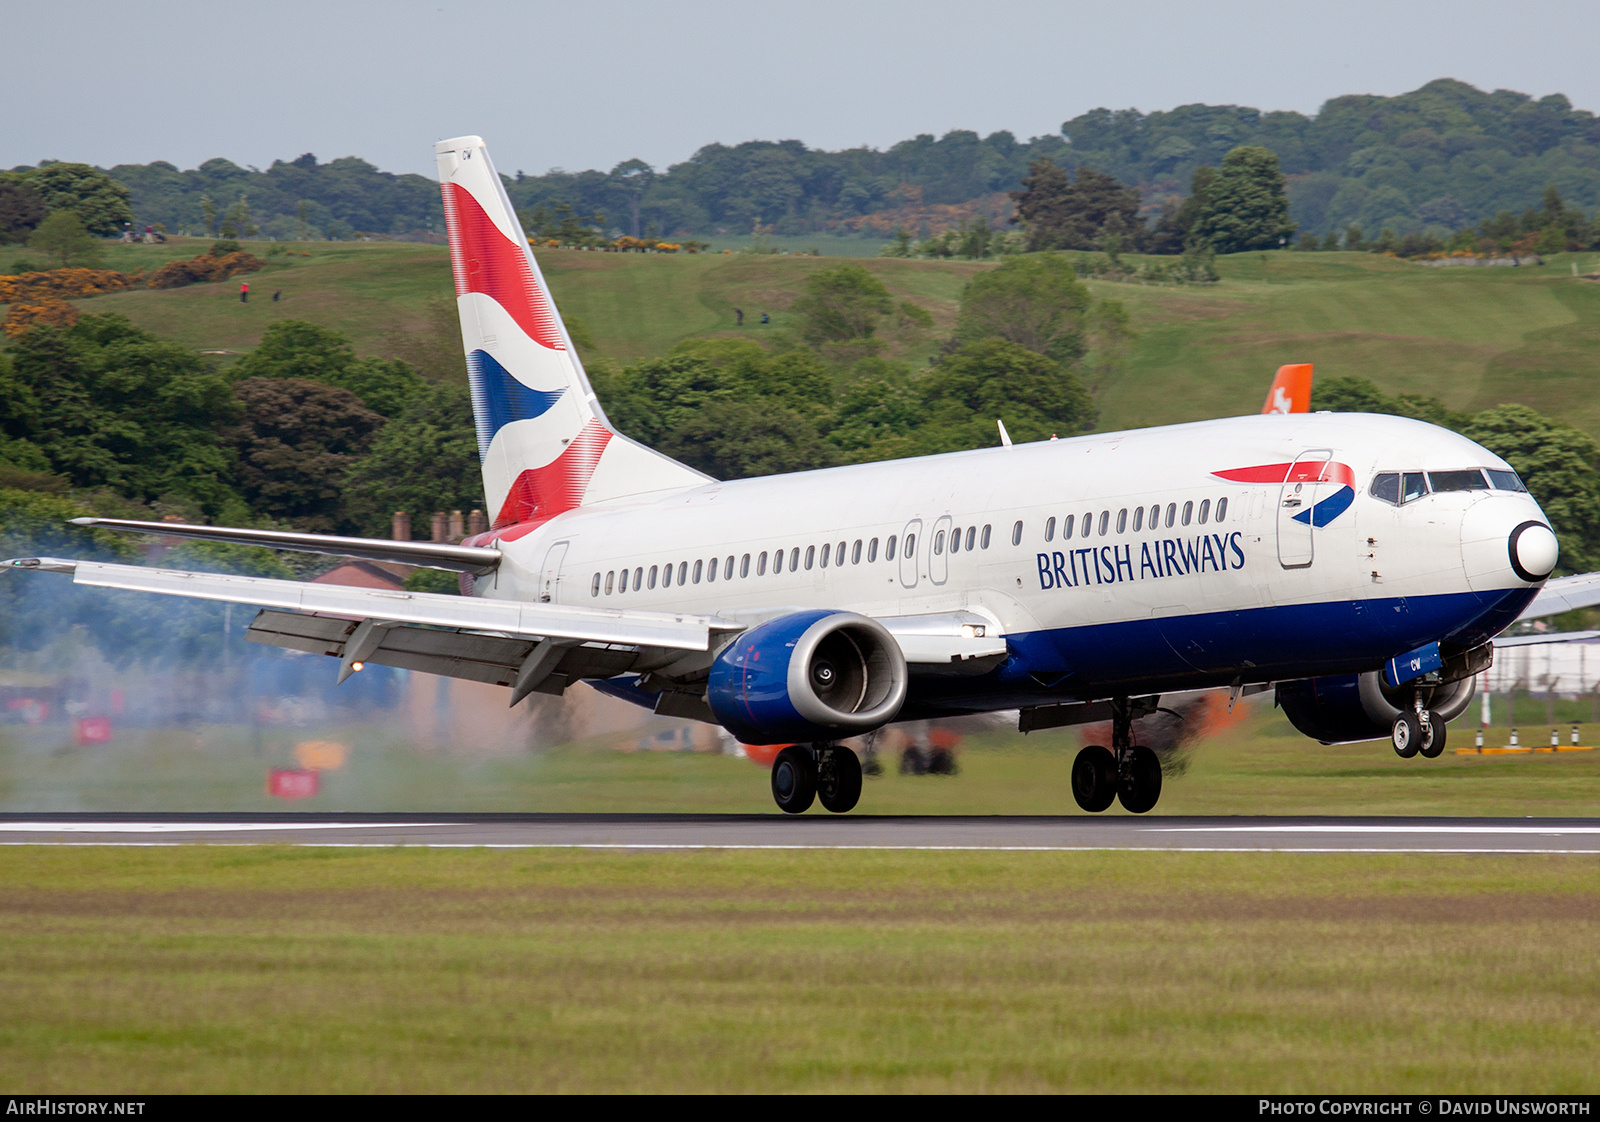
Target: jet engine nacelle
1343	708
808	676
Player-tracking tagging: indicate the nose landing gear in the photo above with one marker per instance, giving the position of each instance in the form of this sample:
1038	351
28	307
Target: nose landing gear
1127	772
1417	731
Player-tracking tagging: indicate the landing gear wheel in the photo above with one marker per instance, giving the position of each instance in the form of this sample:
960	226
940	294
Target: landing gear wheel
1140	785
794	779
1094	779
1432	738
1406	736
839	780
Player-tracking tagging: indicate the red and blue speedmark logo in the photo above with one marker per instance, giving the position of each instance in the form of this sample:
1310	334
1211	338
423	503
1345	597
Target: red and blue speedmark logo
1306	473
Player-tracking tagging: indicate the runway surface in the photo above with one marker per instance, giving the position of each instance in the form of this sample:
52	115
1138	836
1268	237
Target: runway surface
777	831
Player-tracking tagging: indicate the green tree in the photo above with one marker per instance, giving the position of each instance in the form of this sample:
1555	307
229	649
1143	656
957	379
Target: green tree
424	460
740	439
64	238
22	208
1247	205
994	379
297	349
296	442
113	406
1061	213
1034	301
100	202
841	305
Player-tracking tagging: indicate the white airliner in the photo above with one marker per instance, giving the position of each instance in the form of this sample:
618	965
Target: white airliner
1360	565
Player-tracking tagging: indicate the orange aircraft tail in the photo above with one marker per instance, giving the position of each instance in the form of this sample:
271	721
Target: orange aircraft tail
1291	390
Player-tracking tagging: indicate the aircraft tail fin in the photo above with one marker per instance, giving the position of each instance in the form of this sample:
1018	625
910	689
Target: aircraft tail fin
1291	390
543	439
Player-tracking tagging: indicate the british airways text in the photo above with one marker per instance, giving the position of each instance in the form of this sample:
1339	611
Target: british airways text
1168	557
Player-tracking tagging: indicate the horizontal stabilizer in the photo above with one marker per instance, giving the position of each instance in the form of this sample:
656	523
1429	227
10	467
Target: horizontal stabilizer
518	617
427	555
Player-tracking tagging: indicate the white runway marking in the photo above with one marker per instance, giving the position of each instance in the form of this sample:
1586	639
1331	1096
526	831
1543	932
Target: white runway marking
194	827
1531	828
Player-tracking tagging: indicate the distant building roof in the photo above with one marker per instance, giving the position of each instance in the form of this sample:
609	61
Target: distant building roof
366	574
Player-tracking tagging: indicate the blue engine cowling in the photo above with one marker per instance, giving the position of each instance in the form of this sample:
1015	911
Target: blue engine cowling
808	676
1344	708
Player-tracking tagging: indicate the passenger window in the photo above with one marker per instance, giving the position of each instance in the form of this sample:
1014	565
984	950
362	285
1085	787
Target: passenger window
761	564
777	561
1105	522
911	545
610	577
794	560
1172	513
1205	510
955	540
1457	481
1122	520
827	548
727	567
1155	517
594	588
666	576
1188	512
855	553
1138	519
1050	528
838	553
1088	524
697	569
811	556
938	543
744	566
1386	486
683	572
1016	534
622	585
1222	509
711	569
1505	480
1412	486
1066	528
971	530
888	549
986	530
872	551
653	570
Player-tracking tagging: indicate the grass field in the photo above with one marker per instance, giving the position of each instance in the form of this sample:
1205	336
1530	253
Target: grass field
1474	337
221	969
1261	766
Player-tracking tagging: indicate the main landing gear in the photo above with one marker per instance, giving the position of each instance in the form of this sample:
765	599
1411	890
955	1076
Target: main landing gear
1417	731
1126	772
828	772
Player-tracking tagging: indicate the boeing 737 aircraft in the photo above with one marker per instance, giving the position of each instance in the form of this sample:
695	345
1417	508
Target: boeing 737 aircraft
1359	565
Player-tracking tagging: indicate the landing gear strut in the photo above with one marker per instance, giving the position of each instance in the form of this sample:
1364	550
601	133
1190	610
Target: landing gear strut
1127	772
829	772
1417	730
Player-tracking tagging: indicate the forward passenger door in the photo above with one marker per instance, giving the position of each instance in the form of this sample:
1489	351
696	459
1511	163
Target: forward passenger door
910	542
1298	495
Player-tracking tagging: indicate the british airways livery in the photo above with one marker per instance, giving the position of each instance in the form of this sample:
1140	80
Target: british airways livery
1360	566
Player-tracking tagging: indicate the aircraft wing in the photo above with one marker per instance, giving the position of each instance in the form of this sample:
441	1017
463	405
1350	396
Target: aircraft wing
1564	594
1535	638
428	555
673	630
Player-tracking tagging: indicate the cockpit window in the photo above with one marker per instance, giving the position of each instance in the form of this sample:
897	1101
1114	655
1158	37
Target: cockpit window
1412	486
1386	486
1457	480
1505	481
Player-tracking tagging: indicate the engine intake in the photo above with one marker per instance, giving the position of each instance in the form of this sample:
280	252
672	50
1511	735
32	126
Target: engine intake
1344	708
813	675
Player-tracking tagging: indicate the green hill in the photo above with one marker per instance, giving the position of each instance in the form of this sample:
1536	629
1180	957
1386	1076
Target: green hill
1471	336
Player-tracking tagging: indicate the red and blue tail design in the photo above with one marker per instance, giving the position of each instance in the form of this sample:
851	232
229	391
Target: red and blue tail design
544	441
1309	471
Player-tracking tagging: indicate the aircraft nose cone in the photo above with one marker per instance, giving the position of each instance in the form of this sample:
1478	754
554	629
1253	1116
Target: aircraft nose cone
1534	551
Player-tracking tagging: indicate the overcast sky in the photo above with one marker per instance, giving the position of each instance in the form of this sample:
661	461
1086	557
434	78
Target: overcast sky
580	85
